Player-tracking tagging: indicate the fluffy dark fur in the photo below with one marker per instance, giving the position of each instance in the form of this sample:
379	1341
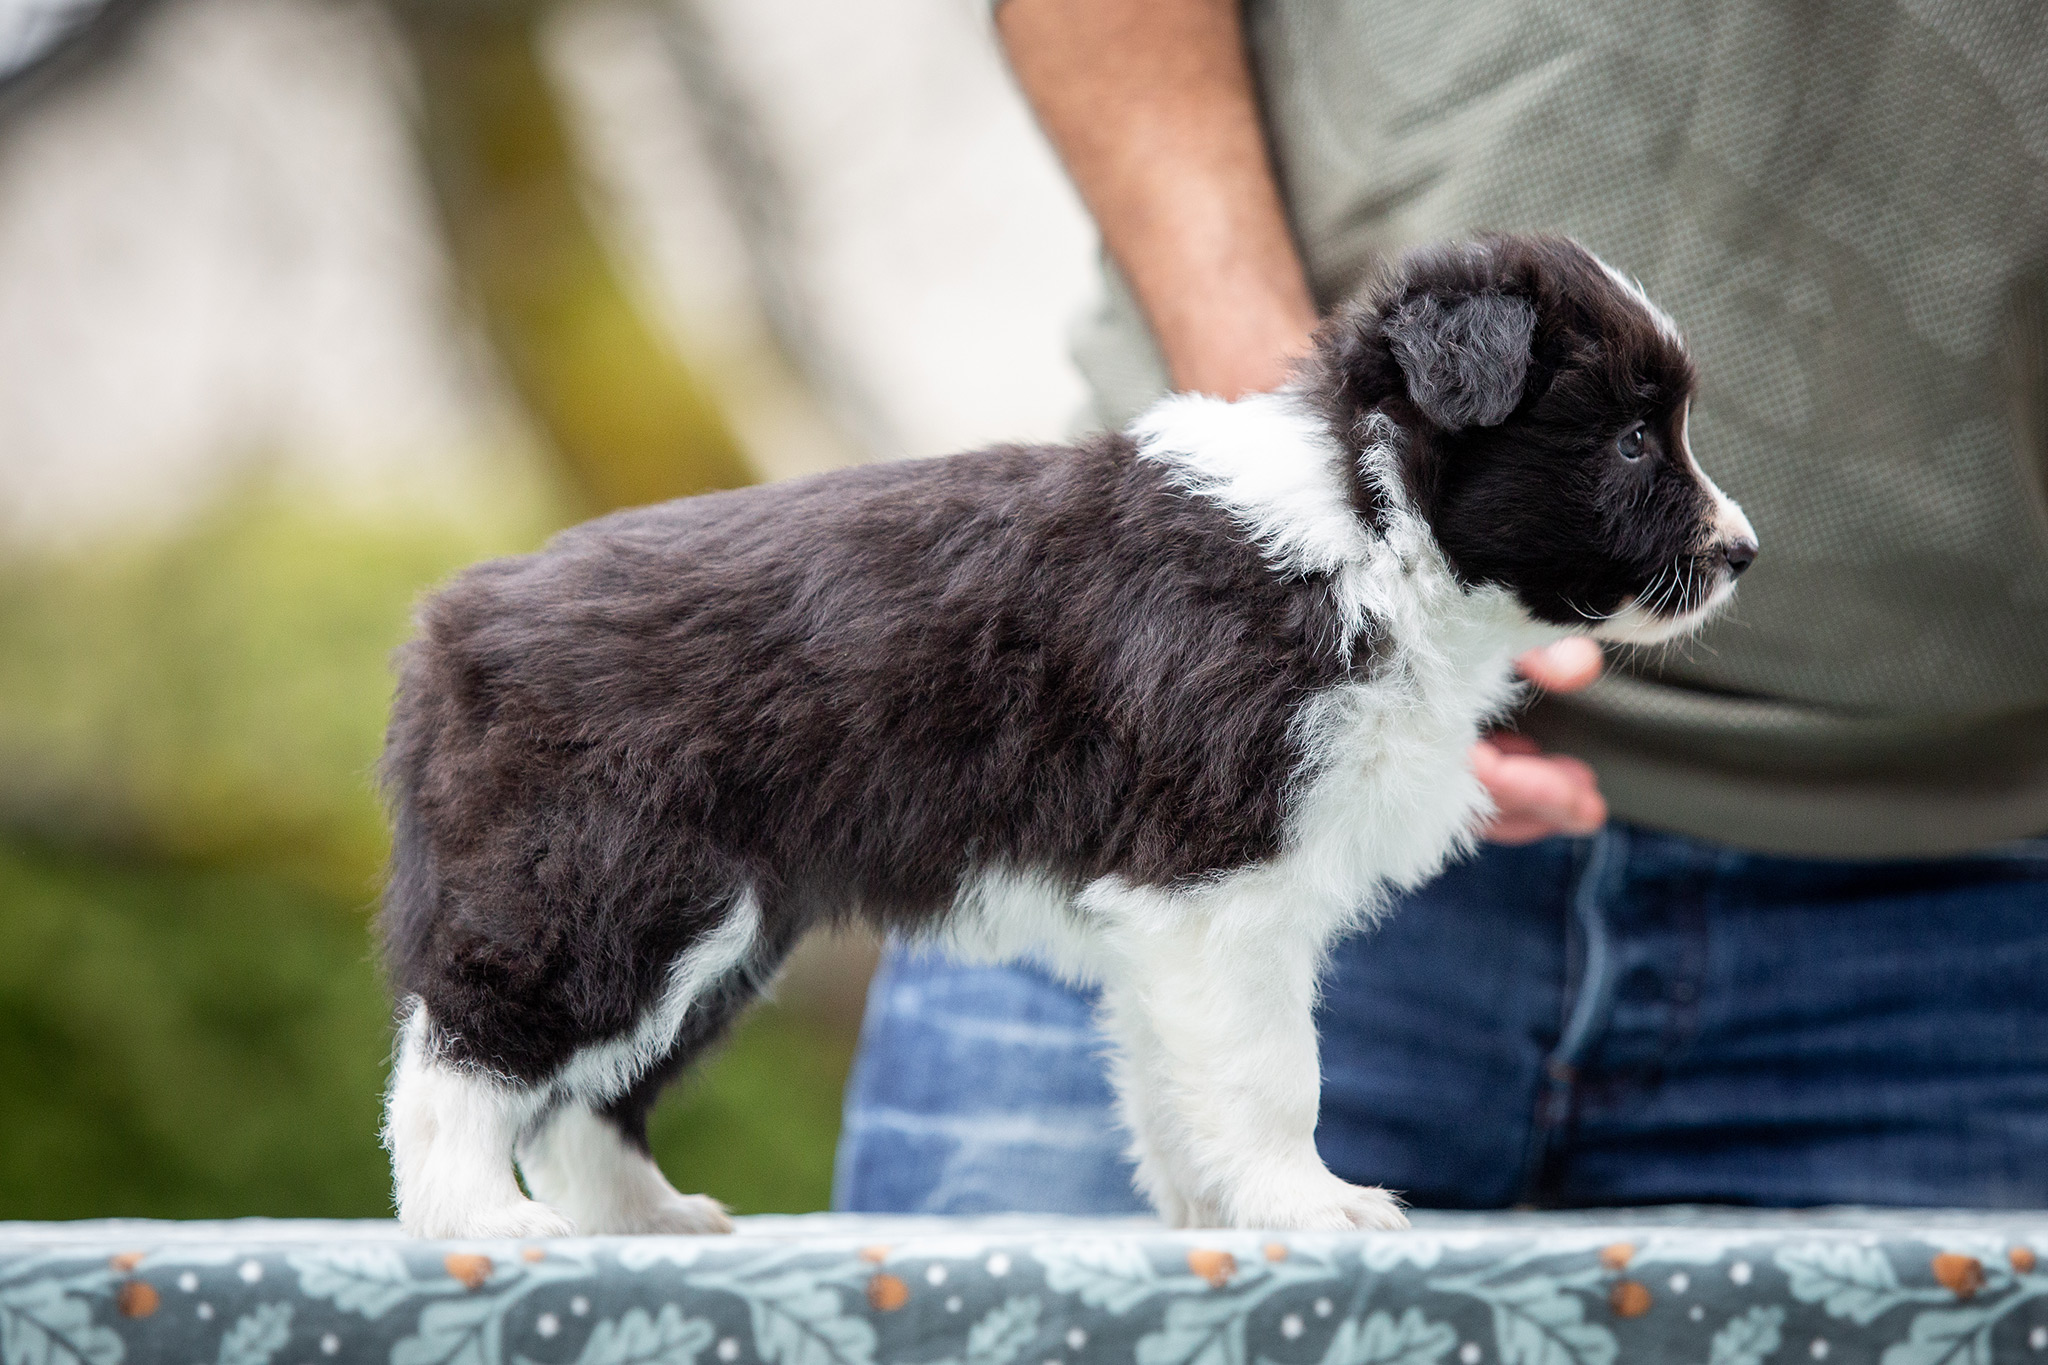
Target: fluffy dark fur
847	695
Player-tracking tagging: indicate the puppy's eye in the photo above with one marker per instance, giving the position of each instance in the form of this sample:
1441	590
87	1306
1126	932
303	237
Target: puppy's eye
1630	443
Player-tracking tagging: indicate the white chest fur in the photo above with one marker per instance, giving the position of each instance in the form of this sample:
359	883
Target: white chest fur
1385	794
1208	993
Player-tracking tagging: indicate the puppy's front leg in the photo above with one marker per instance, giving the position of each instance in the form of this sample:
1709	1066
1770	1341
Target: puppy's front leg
1213	1015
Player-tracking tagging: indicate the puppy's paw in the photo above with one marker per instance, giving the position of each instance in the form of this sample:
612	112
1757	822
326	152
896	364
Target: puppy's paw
685	1214
524	1220
1327	1204
1373	1209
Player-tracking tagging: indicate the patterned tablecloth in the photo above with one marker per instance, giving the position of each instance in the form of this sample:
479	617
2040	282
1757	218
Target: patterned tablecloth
1709	1287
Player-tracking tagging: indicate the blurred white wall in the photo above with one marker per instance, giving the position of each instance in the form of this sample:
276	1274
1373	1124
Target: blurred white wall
216	251
218	248
905	207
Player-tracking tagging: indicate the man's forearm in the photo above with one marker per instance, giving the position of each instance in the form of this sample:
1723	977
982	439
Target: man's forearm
1150	103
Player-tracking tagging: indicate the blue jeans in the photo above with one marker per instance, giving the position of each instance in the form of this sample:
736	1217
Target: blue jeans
1632	1018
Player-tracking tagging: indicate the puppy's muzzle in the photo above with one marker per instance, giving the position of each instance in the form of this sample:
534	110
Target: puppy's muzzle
1737	554
1731	540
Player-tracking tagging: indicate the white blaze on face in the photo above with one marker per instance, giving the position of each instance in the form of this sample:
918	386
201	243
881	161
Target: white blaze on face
1729	522
1638	622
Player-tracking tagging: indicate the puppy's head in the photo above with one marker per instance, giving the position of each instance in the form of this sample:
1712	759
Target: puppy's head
1543	404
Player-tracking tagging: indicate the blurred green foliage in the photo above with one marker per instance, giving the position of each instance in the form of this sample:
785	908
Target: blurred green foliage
218	693
184	1042
191	1022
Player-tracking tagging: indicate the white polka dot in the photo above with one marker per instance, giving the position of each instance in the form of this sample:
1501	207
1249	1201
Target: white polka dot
1739	1272
729	1348
1322	1307
205	1311
2038	1338
1819	1349
1680	1282
547	1324
953	1304
999	1264
329	1344
1076	1339
250	1272
1290	1326
1470	1353
935	1274
188	1282
1697	1313
579	1305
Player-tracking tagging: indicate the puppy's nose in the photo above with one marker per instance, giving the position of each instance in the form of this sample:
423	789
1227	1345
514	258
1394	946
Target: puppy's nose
1740	554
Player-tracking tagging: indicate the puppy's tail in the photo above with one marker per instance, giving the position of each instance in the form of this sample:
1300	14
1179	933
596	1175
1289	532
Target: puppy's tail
412	885
411	890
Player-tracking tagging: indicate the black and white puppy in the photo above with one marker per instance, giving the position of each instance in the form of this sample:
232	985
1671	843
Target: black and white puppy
1169	710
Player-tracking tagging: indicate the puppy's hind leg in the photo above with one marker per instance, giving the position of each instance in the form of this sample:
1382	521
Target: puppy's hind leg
451	1131
590	1159
596	1168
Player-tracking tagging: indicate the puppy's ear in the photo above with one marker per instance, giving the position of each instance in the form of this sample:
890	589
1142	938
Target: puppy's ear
1465	358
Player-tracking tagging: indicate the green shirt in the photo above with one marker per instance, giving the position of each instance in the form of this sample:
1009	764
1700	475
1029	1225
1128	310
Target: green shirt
1846	208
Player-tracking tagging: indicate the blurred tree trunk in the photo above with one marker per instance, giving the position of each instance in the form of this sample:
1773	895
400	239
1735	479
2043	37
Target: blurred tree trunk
627	418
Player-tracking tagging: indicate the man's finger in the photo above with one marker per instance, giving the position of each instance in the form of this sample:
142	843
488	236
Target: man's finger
1557	792
1566	666
1518	829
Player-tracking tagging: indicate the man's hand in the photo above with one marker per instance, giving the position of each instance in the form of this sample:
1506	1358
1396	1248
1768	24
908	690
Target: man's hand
1539	794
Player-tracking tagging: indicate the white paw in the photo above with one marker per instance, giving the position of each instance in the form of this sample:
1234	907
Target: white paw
666	1213
687	1215
1174	1211
525	1219
1325	1205
1373	1209
1159	1191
